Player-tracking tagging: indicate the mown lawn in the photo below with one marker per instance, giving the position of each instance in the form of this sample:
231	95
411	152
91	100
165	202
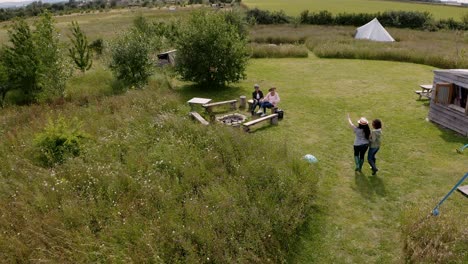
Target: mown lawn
294	7
358	216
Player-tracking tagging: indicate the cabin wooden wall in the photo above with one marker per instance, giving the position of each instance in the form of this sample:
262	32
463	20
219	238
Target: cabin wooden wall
445	115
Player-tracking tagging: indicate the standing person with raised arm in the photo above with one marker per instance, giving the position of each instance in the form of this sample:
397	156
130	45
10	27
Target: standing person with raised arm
361	141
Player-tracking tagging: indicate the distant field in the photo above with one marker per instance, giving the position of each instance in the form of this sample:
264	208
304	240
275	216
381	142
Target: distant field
294	7
104	25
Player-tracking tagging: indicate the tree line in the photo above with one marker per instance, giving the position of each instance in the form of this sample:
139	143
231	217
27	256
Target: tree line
399	19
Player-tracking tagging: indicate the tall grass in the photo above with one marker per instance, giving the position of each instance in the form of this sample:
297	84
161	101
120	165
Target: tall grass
278	51
441	239
149	185
444	49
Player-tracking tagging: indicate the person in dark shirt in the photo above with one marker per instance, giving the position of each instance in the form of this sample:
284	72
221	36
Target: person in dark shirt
257	96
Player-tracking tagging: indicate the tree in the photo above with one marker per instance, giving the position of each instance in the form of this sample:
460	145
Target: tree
54	68
5	86
131	62
22	61
210	50
35	64
80	52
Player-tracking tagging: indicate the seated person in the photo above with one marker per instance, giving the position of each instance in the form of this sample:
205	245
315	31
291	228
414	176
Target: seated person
270	100
257	97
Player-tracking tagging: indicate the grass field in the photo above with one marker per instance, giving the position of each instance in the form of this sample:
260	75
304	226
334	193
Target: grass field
359	215
294	7
105	25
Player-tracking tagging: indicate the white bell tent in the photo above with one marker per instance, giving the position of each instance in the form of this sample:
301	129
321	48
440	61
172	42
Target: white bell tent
373	31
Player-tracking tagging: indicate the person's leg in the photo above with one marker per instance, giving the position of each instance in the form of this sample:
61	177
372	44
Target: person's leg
356	157
372	160
371	157
362	154
266	105
254	105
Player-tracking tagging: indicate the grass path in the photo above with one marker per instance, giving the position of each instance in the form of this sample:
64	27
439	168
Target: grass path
294	7
357	218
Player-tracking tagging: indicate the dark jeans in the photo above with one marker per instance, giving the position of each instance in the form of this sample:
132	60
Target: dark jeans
371	157
266	105
255	104
360	151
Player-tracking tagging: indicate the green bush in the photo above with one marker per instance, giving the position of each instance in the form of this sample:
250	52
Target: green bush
278	51
266	17
131	62
211	49
59	141
97	46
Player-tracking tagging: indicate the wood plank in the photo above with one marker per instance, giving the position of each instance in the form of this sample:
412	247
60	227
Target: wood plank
198	117
220	103
261	119
463	190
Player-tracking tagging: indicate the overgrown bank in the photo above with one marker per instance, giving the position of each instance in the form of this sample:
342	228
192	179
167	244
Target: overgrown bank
149	186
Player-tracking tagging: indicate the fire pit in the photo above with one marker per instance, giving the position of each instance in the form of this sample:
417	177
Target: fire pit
232	119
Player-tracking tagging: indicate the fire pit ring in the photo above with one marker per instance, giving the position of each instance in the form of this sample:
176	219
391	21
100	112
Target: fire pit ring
235	119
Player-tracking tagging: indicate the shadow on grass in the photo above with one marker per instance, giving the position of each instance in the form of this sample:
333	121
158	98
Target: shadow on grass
451	136
216	94
368	186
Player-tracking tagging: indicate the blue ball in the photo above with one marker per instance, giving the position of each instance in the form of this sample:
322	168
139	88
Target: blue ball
310	158
435	212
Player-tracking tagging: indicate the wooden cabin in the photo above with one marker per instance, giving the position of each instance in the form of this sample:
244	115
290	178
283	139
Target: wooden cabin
448	105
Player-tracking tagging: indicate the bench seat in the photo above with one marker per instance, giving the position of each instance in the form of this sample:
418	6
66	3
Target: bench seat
273	120
209	106
199	118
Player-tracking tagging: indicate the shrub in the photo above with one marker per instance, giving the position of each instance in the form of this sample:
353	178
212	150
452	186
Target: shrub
278	51
59	141
266	17
97	46
130	59
211	50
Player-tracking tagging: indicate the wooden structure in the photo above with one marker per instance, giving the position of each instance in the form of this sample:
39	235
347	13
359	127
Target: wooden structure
463	190
209	106
426	91
167	58
197	101
449	98
199	118
273	120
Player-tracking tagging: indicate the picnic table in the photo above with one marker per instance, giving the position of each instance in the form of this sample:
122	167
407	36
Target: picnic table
426	91
197	100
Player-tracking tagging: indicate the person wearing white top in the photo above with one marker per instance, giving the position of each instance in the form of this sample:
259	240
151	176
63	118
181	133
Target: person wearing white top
270	100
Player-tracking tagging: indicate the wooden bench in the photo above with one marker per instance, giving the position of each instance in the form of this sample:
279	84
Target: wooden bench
273	120
209	107
426	91
198	117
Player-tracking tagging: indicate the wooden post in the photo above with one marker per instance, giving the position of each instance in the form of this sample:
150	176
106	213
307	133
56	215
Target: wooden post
242	102
274	120
234	105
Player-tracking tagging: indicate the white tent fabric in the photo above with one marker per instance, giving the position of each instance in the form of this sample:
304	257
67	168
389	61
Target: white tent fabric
373	31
